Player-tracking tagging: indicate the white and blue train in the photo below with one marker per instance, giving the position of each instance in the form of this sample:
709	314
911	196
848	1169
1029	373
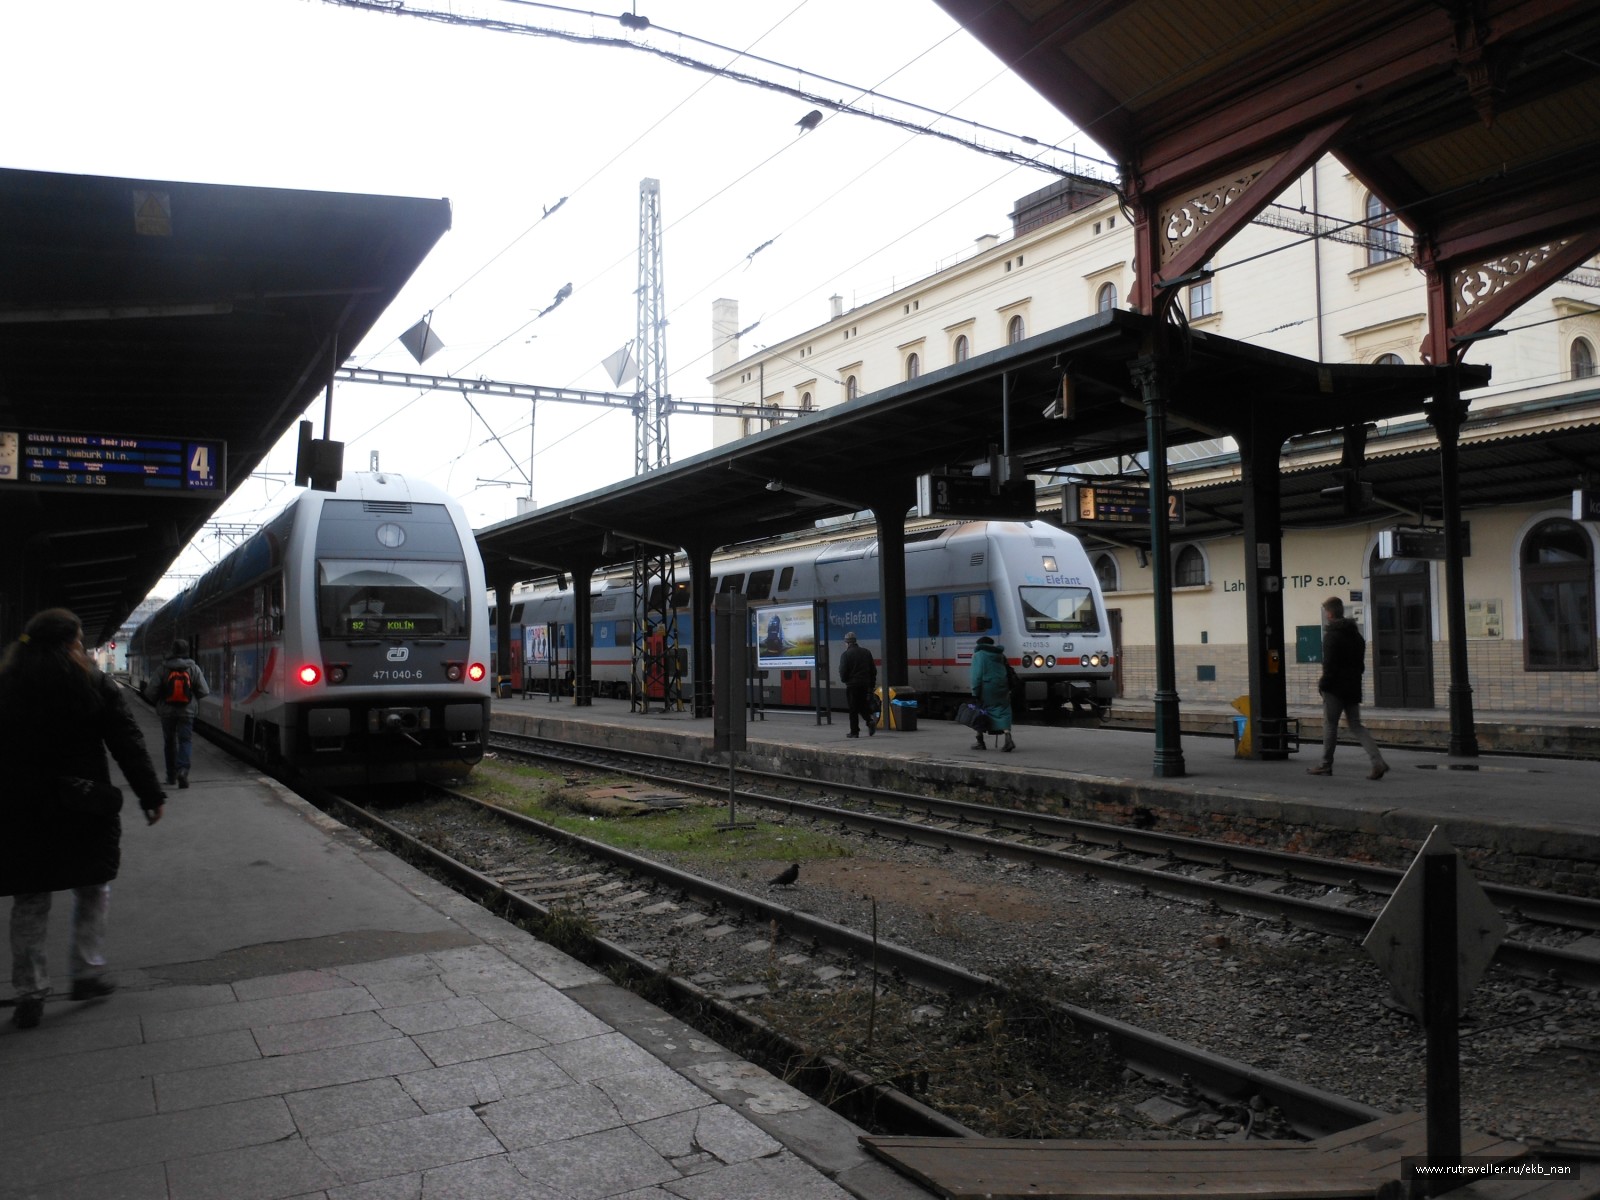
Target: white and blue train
1028	585
347	639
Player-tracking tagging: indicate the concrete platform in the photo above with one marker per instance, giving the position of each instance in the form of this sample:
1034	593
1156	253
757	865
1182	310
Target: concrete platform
302	1015
1517	820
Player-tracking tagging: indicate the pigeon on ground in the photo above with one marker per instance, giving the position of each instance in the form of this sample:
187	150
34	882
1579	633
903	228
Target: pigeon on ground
785	877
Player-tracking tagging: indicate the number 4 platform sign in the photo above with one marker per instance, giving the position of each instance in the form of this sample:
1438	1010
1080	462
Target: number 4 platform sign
119	462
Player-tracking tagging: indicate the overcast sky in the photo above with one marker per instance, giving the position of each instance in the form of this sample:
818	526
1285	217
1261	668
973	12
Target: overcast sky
308	94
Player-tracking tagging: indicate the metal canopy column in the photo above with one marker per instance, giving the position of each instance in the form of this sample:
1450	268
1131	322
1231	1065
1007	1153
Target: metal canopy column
582	617
1151	373
1260	448
502	630
700	625
1446	411
889	514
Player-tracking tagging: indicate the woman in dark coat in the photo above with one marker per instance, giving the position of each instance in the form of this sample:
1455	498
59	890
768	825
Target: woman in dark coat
58	715
991	688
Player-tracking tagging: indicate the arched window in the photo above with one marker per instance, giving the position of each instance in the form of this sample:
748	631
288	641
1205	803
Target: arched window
1014	331
1189	567
1106	298
1558	597
850	387
1388	360
963	348
913	366
1582	358
1383	232
1105	570
805	401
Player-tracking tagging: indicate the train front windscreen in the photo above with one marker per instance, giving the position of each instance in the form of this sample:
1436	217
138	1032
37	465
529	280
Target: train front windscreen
375	598
1059	610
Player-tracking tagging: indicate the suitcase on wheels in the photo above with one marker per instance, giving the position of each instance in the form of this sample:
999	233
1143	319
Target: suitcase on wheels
973	717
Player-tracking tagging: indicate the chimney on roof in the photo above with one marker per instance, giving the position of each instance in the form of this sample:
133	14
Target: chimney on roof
724	334
835	306
987	241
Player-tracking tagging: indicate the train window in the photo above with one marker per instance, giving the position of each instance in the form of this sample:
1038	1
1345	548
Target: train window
760	585
732	583
371	597
786	580
933	616
1059	610
970	613
516	614
680	594
624	633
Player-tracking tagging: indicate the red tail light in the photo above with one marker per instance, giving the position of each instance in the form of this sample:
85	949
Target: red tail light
308	674
476	672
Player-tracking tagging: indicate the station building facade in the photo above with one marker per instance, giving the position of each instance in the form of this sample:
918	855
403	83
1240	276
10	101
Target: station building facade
1324	274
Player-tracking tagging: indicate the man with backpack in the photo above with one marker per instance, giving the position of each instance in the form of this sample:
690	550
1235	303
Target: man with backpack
178	686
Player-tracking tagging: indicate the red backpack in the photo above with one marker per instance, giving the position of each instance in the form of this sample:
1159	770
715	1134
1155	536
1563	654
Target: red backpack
178	687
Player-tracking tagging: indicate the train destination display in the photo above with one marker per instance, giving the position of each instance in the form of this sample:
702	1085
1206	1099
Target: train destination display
114	462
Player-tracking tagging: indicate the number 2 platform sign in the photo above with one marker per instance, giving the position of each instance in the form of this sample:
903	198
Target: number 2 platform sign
119	463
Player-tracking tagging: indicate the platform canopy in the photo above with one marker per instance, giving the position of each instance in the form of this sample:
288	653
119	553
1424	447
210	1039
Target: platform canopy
868	453
1477	122
156	340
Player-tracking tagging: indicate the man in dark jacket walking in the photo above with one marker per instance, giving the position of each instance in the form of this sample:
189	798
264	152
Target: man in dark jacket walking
177	700
1344	661
859	674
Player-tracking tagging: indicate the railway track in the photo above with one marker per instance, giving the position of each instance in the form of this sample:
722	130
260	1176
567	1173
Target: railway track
645	909
1327	895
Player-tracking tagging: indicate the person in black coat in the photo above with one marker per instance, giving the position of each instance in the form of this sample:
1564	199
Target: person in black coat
860	675
1344	661
58	715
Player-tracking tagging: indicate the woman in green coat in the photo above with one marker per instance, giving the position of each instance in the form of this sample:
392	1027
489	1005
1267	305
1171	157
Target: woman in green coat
991	689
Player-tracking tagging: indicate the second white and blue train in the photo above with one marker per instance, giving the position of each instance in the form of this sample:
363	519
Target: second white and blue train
1028	585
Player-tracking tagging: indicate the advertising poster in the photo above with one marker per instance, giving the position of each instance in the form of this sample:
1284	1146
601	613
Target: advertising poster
786	636
538	648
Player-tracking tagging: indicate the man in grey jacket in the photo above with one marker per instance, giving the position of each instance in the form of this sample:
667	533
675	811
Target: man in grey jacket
178	686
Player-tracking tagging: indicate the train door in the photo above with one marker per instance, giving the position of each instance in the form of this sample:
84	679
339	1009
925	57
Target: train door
928	644
1402	633
1114	621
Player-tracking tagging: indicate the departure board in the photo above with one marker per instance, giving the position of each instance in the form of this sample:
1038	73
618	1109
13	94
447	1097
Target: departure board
112	463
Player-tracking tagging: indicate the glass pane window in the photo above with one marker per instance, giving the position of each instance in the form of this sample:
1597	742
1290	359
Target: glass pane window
1189	568
1106	298
369	597
1201	302
1059	610
1558	597
970	614
1582	359
1383	232
963	348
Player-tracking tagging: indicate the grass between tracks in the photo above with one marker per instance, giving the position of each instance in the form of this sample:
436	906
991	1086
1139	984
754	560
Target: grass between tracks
695	832
1007	1065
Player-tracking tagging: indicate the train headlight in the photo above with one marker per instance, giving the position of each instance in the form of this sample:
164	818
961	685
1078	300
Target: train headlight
453	672
336	674
308	674
1038	660
476	672
1049	660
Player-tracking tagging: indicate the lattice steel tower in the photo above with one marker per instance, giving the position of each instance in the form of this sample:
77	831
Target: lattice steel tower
657	662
